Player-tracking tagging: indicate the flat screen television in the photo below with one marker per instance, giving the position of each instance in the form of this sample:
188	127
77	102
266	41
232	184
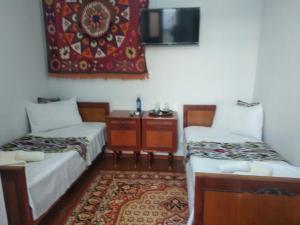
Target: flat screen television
172	26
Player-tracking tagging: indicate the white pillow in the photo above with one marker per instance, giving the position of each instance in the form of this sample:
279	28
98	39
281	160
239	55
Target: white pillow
247	121
43	117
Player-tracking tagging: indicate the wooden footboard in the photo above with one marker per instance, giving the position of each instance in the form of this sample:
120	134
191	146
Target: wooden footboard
222	199
15	195
14	179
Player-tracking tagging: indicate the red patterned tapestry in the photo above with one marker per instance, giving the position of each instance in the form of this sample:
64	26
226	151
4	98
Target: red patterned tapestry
94	38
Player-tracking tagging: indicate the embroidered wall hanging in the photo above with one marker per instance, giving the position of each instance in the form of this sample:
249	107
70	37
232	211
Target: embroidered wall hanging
94	38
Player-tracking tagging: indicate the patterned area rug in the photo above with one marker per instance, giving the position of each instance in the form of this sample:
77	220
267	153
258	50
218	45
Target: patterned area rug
133	198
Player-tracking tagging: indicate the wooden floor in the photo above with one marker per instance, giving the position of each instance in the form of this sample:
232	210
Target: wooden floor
58	214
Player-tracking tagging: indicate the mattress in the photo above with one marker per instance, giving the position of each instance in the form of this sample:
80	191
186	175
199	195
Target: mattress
49	179
206	165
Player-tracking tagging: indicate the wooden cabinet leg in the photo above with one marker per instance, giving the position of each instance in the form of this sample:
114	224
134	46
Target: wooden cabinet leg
103	154
119	155
137	158
150	160
171	160
115	158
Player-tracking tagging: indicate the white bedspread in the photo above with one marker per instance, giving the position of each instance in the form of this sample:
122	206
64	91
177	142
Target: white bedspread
48	180
206	165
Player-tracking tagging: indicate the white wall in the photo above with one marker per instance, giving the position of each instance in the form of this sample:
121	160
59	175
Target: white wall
277	82
22	62
22	68
222	67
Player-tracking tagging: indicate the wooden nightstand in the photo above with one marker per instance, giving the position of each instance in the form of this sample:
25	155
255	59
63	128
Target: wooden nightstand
124	133
159	134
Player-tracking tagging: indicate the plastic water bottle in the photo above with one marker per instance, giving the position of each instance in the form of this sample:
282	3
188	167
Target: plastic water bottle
138	105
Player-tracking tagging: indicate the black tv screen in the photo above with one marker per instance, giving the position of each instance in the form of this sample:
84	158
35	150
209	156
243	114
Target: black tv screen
170	26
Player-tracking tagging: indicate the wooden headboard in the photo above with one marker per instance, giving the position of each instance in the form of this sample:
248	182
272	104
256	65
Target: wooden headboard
198	115
93	111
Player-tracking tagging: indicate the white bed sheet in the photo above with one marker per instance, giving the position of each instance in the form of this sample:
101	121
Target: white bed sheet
197	164
49	179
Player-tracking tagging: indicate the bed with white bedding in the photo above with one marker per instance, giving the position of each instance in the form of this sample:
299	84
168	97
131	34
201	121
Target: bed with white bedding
206	171
46	181
207	165
54	175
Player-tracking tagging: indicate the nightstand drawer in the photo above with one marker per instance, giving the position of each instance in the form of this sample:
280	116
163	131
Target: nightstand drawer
159	123
156	124
122	124
159	139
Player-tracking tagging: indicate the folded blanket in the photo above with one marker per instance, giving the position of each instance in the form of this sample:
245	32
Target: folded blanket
234	167
261	170
257	170
30	156
7	155
8	158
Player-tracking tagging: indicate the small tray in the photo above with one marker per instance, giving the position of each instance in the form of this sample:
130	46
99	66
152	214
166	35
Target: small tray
160	113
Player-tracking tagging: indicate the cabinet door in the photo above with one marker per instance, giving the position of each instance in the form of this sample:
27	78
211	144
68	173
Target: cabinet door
159	139
160	135
124	134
